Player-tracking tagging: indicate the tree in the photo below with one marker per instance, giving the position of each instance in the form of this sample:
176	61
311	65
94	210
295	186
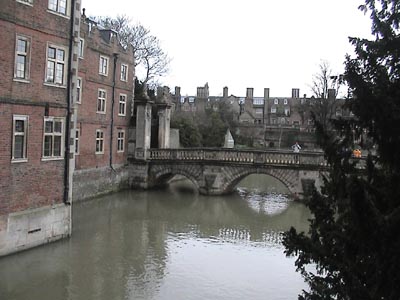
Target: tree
189	135
354	235
147	50
324	104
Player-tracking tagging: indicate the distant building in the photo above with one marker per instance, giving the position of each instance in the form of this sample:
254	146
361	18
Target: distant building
265	118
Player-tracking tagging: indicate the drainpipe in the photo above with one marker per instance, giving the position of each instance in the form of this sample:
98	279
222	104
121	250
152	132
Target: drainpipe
112	108
69	98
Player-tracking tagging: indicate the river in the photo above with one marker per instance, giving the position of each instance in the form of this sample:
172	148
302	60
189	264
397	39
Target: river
167	244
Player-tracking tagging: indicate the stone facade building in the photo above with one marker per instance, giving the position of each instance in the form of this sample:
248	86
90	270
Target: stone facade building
38	64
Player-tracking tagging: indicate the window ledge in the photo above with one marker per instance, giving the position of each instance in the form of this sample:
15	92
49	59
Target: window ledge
52	158
21	80
55	85
19	160
25	2
58	14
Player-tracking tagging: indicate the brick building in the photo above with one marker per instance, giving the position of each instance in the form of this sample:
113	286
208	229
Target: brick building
105	99
38	67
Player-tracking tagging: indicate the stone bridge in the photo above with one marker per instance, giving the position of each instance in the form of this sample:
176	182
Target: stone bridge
217	171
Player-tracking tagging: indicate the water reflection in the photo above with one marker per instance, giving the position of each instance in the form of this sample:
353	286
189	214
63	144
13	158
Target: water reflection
172	244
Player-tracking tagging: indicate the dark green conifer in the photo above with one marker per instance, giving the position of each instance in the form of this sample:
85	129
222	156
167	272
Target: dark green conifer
352	248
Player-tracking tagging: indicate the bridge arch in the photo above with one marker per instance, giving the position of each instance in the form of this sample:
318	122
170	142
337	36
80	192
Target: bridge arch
285	176
160	176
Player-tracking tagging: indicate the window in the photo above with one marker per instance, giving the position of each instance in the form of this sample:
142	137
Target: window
276	101
22	57
56	61
77	134
120	141
103	65
20	132
122	105
78	90
285	101
81	47
101	101
273	110
58	6
258	101
124	72
53	137
99	142
287	111
283	121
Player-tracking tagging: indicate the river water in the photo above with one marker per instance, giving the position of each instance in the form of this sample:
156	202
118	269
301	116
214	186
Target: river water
167	244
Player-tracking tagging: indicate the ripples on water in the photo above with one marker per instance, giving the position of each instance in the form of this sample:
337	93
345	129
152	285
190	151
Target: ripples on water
160	245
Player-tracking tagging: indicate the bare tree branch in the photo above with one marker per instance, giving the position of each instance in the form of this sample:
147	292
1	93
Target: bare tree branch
146	47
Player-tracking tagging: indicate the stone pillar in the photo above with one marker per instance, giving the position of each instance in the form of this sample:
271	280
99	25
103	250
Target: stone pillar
143	128
164	116
266	106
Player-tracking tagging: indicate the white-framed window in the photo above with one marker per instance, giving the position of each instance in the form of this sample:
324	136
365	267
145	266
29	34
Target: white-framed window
53	137
101	101
122	105
59	6
287	111
20	136
103	65
77	145
79	90
283	121
26	1
120	141
56	65
81	47
285	101
124	72
273	110
276	101
22	58
258	101
99	141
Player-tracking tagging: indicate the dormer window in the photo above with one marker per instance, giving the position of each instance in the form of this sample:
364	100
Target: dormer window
276	101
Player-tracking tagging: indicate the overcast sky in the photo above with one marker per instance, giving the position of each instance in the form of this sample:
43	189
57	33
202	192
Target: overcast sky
240	44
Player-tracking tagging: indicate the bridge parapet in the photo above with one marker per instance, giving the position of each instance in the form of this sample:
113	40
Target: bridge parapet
315	159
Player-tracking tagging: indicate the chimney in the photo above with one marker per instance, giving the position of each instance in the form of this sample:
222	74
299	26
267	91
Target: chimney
266	93
295	93
249	93
331	93
177	91
225	92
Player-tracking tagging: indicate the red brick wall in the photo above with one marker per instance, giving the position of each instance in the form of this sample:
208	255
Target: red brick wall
33	183
88	120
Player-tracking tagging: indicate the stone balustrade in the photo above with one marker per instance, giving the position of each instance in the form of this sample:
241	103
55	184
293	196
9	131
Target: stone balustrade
240	156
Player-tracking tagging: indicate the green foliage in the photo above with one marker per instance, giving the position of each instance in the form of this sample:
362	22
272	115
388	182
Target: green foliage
189	135
213	132
354	235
